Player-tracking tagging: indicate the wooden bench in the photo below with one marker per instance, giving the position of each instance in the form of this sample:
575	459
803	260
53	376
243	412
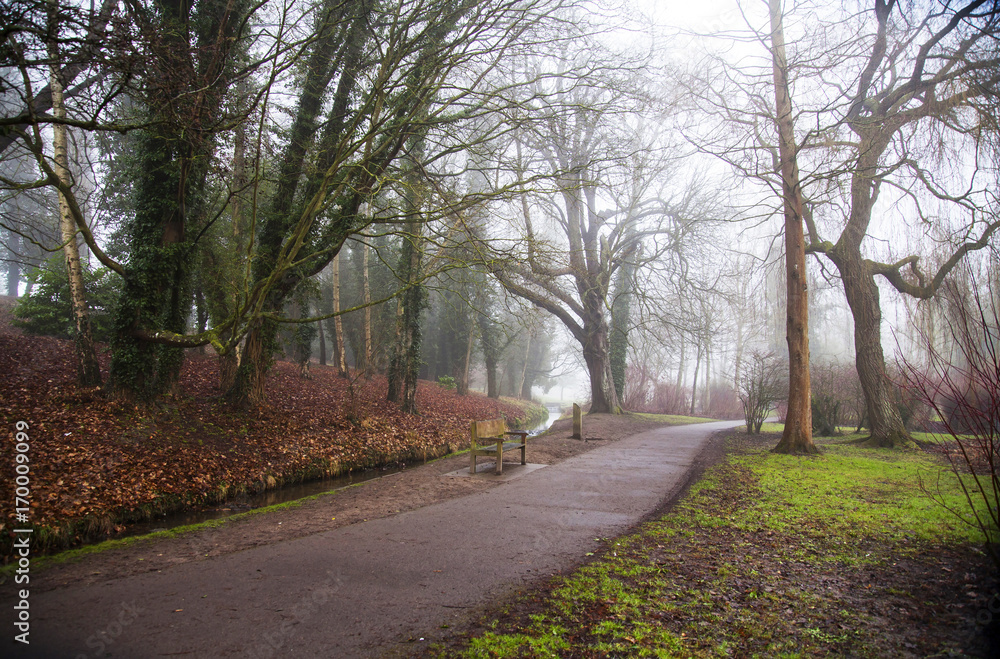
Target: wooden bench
490	438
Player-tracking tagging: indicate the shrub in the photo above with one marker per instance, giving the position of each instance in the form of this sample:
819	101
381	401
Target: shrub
47	310
760	388
836	395
964	391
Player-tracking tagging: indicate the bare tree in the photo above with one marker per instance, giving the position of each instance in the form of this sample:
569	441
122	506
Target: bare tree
965	394
761	386
952	69
895	109
582	127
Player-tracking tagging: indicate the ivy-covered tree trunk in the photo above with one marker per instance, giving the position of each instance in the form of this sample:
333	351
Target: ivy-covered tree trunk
340	38
157	287
257	356
183	96
603	398
404	366
156	290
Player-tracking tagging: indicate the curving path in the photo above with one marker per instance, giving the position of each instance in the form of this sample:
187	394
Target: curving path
359	590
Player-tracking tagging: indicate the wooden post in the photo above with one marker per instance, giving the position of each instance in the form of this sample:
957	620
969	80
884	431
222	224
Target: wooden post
577	422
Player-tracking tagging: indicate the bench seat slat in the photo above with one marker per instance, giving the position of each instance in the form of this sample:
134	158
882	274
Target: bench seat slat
506	445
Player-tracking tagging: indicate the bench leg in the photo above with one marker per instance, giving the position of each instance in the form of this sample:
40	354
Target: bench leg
523	460
500	458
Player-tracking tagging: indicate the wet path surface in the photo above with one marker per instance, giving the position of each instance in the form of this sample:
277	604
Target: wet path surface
358	590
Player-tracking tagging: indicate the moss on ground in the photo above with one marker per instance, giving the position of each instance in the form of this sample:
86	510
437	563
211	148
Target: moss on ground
842	554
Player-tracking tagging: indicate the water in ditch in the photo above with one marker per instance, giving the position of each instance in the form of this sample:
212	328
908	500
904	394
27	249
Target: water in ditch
284	494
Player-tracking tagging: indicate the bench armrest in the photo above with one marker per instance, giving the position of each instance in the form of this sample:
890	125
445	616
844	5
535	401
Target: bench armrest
522	433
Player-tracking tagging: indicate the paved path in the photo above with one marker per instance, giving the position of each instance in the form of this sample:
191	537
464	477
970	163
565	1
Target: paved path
357	590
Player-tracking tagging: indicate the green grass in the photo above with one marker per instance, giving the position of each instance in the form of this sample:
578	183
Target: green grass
742	565
851	490
671	419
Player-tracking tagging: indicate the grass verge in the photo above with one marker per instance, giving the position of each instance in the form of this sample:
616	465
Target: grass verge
769	555
672	419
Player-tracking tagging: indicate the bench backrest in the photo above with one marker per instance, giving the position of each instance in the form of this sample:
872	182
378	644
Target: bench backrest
487	428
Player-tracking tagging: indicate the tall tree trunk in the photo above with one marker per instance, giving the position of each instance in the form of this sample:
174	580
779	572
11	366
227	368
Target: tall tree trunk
621	310
797	435
462	377
738	358
88	371
335	38
884	419
366	295
526	382
518	389
491	352
603	398
694	384
13	267
405	364
706	387
169	187
247	388
230	362
679	400
338	325
492	384
320	326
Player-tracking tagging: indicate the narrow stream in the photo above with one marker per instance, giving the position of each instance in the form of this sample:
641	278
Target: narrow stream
247	502
555	411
